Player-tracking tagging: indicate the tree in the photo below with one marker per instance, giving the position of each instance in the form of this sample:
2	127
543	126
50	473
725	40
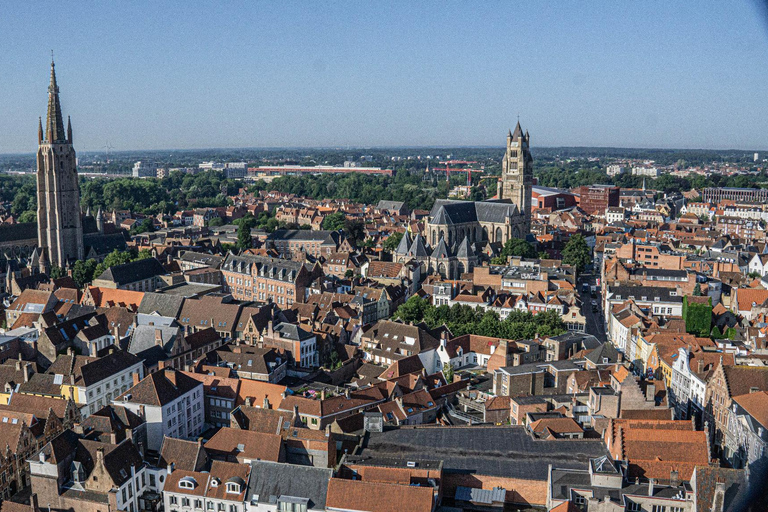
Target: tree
349	274
715	333
215	221
114	258
576	252
28	216
56	272
448	372
334	221
244	240
355	231
145	226
697	316
518	247
83	271
392	241
697	290
412	310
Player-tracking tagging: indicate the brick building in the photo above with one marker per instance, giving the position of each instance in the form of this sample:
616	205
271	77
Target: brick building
595	199
264	279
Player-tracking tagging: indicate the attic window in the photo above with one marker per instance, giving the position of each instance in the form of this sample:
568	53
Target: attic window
187	483
233	487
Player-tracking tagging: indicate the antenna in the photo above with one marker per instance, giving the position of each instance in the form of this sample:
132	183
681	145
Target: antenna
107	148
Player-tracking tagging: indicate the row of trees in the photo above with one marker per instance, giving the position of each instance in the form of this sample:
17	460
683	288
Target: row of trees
85	271
461	319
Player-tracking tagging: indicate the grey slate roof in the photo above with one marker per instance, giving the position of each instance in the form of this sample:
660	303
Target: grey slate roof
465	249
447	211
404	245
496	451
441	251
418	248
134	271
165	304
272	479
292	332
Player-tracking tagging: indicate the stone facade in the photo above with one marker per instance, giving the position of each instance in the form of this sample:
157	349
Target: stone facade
516	183
59	224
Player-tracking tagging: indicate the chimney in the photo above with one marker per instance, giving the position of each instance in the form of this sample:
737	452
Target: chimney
282	395
170	468
18	364
700	366
674	478
70	352
33	500
265	404
650	392
346	392
158	336
100	455
651	484
248	401
322	394
328	430
136	378
27	368
171	376
116	334
718	501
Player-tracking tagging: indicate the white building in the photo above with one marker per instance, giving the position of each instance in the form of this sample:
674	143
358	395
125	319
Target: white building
223	489
614	170
651	172
614	214
170	403
144	169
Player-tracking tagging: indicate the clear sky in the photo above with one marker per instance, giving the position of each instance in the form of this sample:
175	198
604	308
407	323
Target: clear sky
190	74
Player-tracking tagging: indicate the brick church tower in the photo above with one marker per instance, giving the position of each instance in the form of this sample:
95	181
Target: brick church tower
59	224
517	174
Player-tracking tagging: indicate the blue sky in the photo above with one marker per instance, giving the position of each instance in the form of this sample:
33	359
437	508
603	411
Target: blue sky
192	74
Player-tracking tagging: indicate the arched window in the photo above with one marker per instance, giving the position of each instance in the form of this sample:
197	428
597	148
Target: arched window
485	234
441	270
498	235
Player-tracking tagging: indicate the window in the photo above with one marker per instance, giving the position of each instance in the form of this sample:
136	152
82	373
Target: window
633	507
579	499
173	500
233	487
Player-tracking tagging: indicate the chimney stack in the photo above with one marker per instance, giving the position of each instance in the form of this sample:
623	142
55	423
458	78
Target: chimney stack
265	404
674	478
136	378
248	401
158	336
27	368
700	366
651	485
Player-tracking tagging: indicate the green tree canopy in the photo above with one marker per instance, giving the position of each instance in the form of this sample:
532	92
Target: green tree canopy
392	241
577	253
334	221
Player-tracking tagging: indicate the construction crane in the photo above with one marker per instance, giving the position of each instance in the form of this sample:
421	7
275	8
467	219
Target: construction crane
449	170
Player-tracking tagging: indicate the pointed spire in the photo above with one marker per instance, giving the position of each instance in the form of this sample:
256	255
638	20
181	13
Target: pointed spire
40	130
54	121
69	130
518	133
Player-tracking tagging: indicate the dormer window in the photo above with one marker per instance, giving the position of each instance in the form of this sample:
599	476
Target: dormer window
233	487
188	483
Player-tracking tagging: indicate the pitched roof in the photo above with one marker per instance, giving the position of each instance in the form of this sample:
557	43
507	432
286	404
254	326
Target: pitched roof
160	388
183	454
269	479
756	404
378	497
133	271
237	444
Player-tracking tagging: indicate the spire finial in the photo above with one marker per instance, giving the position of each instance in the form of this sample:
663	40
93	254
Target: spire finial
54	122
52	64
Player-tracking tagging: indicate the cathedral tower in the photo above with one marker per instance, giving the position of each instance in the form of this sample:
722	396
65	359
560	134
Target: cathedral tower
517	174
59	225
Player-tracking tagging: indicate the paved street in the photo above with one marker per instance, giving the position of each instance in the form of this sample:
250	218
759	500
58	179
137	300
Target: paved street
594	320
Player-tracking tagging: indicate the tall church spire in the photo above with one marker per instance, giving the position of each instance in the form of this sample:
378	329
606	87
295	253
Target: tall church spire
54	122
